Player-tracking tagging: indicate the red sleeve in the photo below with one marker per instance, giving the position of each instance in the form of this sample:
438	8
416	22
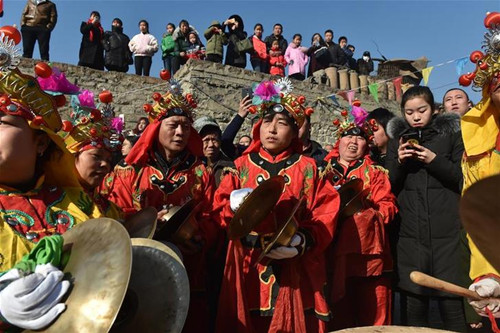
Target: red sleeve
381	195
118	189
322	208
209	228
273	60
221	209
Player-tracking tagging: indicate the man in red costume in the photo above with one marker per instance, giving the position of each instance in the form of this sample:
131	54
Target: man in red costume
360	253
163	169
283	292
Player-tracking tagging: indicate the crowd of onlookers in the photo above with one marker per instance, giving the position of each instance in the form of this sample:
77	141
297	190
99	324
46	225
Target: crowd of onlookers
115	51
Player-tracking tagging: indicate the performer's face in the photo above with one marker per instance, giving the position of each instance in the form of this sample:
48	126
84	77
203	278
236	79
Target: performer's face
19	147
495	97
276	133
351	147
174	134
92	166
418	113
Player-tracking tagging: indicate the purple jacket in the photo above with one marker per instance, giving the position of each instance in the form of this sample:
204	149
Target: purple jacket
296	58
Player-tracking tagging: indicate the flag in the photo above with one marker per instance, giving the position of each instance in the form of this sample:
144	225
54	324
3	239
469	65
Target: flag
334	100
397	86
373	87
350	96
343	94
460	64
426	72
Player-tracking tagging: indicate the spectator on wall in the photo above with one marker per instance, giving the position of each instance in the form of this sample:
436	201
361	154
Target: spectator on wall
365	64
91	48
168	47
37	22
337	58
236	50
181	39
259	56
296	57
144	46
117	56
277	35
216	39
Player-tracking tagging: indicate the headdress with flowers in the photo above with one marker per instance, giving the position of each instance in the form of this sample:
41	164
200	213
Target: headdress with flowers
270	96
172	103
20	93
354	122
90	127
487	70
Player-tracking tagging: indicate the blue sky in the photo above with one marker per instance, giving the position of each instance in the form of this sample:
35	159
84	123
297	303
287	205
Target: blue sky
440	30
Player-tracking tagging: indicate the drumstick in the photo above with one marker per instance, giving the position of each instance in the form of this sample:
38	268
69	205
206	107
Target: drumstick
431	282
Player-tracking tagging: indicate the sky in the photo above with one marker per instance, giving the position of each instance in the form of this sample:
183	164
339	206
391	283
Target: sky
440	30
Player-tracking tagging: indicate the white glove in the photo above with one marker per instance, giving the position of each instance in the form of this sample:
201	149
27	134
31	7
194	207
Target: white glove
285	252
487	287
32	302
237	197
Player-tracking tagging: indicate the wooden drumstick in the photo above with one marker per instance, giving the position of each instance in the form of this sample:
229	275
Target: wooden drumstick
431	282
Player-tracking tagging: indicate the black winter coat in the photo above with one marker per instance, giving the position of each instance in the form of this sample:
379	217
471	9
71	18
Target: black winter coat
337	55
233	57
91	51
117	53
428	196
282	42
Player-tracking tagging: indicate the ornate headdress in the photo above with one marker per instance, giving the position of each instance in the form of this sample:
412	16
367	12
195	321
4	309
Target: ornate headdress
354	122
487	70
269	96
20	93
172	103
90	127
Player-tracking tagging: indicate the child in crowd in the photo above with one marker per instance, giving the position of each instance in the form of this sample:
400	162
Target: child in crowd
259	56
144	46
216	39
297	58
168	47
195	49
276	60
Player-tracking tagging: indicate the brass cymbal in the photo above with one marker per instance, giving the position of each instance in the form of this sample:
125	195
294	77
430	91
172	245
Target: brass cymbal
256	207
175	217
142	224
99	268
479	209
391	329
354	205
283	236
157	298
349	191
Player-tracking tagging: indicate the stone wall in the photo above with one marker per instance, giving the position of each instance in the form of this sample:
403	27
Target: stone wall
217	89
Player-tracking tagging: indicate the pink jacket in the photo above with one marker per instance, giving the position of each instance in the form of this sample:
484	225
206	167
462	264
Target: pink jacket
143	45
296	58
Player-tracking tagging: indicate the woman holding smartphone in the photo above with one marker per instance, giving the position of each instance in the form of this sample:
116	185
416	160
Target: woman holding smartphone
426	177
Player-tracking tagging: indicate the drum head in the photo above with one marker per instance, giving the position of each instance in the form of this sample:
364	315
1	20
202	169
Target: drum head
157	299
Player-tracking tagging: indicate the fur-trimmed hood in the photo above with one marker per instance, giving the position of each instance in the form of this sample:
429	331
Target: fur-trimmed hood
443	123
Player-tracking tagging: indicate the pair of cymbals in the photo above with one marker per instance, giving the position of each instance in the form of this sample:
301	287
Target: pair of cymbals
256	207
180	223
391	329
142	224
106	267
352	195
283	236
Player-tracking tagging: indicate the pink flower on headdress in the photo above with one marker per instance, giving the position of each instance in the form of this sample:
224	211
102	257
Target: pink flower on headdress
359	115
57	83
86	98
266	91
117	124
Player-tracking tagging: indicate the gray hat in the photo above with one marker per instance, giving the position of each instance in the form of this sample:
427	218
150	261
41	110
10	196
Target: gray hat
215	23
204	121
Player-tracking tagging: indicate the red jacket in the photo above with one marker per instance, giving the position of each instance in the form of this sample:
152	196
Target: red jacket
275	58
361	247
248	285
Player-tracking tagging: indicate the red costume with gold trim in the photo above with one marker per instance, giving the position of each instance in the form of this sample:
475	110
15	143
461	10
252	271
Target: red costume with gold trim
283	289
360	253
146	179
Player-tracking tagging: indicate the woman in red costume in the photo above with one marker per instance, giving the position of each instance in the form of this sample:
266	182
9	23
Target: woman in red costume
283	292
360	254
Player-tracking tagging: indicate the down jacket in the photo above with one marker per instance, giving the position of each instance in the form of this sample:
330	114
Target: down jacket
428	196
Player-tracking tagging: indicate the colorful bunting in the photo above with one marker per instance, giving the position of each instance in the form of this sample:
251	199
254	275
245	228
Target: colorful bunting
397	86
460	64
350	96
334	100
373	87
426	72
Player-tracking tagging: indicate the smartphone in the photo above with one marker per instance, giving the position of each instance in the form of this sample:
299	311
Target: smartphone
413	138
247	92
